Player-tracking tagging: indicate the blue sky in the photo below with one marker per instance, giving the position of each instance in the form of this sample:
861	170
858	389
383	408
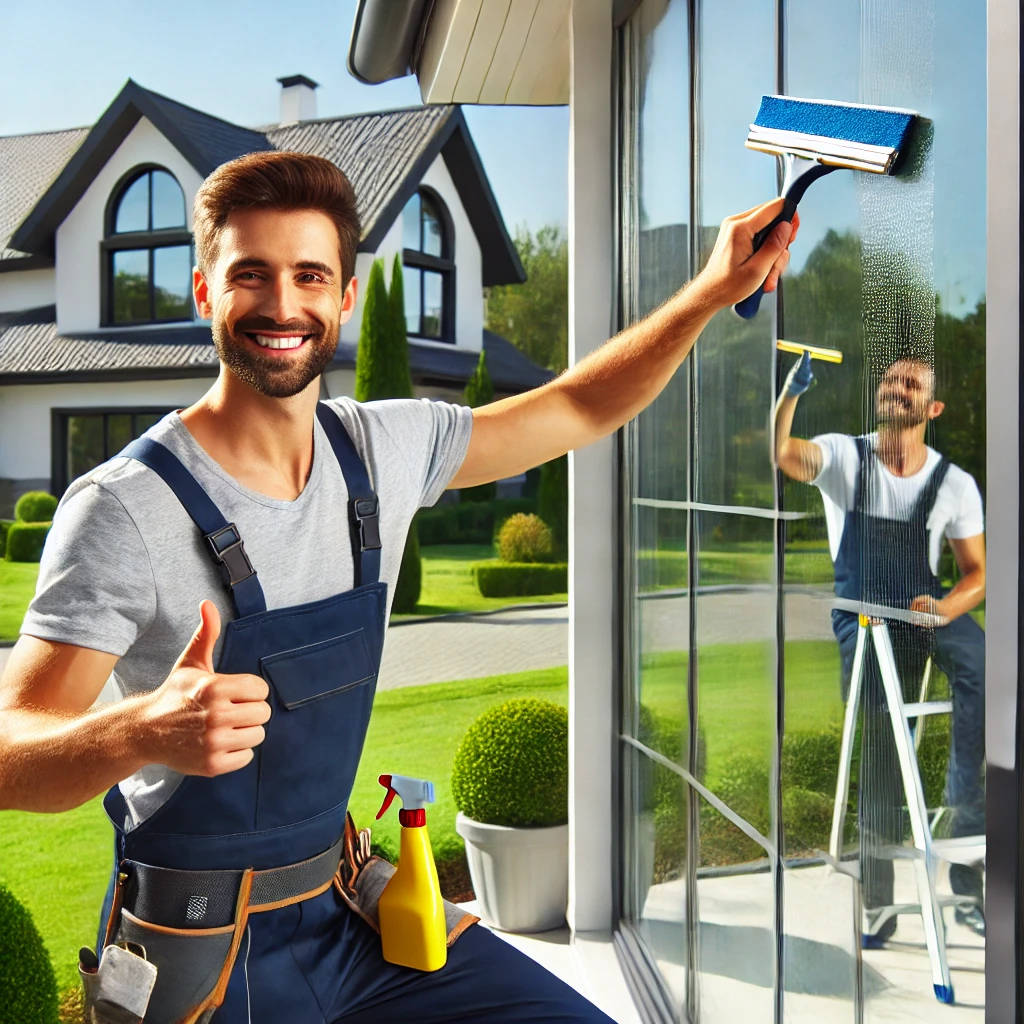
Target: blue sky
63	62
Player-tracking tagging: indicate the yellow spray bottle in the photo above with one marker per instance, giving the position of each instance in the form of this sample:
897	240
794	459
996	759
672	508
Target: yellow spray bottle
412	925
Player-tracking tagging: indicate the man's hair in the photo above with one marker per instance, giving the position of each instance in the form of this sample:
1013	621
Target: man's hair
276	180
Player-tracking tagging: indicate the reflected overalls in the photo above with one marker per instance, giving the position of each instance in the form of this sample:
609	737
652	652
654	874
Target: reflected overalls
200	883
885	561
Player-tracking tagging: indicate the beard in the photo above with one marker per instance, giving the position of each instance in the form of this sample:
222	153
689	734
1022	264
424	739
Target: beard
274	376
895	412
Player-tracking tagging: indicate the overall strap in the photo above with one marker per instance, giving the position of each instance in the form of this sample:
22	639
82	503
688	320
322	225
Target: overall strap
930	491
864	454
222	538
363	509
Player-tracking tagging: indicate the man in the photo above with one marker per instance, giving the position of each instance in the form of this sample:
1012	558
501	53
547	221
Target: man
230	760
889	501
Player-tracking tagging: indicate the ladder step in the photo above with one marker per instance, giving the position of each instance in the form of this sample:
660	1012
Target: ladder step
960	850
928	707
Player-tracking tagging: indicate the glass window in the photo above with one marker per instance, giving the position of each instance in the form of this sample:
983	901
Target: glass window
85	438
428	268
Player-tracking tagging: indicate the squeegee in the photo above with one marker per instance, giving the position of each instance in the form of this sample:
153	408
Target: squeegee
815	137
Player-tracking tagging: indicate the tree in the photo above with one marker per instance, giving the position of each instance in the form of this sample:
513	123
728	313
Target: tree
382	371
534	315
479	391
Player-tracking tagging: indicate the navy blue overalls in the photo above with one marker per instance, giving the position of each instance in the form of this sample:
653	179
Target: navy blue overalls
885	561
312	960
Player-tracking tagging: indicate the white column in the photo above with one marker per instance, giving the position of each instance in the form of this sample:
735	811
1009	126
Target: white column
592	478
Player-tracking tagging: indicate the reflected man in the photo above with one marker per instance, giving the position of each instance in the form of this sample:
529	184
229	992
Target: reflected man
889	501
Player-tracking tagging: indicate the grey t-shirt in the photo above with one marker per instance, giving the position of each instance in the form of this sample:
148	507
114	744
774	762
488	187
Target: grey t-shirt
125	569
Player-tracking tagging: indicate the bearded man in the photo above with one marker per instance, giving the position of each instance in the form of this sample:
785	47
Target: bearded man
890	501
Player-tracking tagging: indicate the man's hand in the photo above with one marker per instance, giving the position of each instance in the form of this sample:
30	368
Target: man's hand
734	270
800	377
929	605
203	722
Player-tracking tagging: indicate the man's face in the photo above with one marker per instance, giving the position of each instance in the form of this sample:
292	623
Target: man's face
275	298
906	395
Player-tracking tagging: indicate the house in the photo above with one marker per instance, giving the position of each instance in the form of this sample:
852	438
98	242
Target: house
98	334
714	908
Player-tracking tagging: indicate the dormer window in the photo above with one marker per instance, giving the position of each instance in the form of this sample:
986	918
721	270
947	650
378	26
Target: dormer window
147	251
428	259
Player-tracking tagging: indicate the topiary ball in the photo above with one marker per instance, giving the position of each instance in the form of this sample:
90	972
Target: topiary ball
35	507
512	766
525	537
28	989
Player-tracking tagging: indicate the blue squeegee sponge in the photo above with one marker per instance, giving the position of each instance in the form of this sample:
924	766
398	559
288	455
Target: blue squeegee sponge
870	125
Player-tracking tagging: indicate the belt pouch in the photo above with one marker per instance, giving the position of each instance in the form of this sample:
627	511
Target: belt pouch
193	964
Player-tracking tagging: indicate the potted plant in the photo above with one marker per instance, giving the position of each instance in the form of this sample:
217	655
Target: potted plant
510	783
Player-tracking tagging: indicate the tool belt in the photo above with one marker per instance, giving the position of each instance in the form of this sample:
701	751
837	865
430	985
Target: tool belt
172	937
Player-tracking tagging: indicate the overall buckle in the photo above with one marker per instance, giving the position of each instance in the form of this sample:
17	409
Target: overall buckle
229	554
366	512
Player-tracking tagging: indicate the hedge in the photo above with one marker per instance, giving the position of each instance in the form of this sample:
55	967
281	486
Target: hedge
35	507
520	579
471	522
25	541
5	525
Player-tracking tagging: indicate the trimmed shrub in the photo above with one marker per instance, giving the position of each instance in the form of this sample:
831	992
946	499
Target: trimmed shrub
410	575
520	579
525	537
35	507
512	766
25	541
470	523
28	989
5	525
807	820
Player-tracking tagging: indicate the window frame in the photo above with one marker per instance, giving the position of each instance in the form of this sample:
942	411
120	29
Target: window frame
416	261
147	241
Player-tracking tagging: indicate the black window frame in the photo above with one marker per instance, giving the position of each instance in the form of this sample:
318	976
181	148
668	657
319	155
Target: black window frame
148	241
416	262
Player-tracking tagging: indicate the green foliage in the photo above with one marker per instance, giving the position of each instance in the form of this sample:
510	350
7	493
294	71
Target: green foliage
410	575
553	501
35	507
525	537
469	523
512	766
521	579
5	525
25	541
28	989
534	315
479	391
382	360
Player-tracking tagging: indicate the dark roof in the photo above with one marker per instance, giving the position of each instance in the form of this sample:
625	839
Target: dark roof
384	155
28	165
32	352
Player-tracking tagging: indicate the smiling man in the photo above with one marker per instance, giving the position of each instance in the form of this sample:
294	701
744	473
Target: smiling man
230	760
890	502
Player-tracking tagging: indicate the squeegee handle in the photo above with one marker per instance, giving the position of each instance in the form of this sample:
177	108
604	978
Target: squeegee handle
748	307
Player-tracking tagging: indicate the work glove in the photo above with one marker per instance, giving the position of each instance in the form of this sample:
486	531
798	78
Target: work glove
800	377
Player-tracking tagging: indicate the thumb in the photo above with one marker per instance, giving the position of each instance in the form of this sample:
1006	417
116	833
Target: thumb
198	651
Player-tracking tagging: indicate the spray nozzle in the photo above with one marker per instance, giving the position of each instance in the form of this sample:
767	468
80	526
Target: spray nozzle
414	793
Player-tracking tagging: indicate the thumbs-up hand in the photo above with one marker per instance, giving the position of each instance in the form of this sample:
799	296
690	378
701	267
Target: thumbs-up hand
204	722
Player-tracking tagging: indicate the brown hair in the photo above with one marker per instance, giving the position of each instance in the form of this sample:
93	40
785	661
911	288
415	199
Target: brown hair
276	180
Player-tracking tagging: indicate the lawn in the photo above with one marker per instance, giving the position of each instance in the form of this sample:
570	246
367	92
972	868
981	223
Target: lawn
17	585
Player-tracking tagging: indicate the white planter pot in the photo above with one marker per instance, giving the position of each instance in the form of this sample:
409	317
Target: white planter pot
520	875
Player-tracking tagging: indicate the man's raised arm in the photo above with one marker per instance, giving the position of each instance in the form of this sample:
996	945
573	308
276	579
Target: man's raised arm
611	385
796	457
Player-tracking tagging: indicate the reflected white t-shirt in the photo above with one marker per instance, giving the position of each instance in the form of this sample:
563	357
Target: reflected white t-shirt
957	512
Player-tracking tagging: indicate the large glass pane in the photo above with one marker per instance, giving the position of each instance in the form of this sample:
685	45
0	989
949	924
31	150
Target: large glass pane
133	208
85	444
131	286
172	284
168	202
433	304
119	432
657	886
411	284
736	933
411	224
433	233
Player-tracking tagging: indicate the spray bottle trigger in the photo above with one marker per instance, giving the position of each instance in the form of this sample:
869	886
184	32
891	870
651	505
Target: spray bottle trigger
385	780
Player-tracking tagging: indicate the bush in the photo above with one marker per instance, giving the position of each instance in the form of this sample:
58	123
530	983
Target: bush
807	820
553	501
525	537
35	507
28	989
468	523
512	766
5	525
410	575
520	579
25	541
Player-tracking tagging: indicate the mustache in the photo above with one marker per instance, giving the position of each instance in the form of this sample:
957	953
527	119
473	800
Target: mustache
257	324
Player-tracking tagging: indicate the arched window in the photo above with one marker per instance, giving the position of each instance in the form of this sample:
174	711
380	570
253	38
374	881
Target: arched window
428	259
147	251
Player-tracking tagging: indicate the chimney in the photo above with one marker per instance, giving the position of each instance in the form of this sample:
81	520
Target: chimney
298	98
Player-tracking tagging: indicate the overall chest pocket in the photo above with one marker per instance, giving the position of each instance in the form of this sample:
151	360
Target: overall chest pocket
321	698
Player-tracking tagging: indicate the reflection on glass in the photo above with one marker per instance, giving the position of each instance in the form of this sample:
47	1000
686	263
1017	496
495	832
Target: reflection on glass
432	234
736	933
411	291
172	272
131	285
168	202
658	859
85	444
411	223
119	431
433	304
133	209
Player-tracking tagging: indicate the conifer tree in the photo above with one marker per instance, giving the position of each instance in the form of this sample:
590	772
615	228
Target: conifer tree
479	391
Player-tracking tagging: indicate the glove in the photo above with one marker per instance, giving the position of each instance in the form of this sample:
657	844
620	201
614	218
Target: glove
800	377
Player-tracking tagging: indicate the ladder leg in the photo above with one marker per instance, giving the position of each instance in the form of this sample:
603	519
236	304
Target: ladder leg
835	845
925	865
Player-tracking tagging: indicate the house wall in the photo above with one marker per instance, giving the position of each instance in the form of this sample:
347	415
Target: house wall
27	289
79	259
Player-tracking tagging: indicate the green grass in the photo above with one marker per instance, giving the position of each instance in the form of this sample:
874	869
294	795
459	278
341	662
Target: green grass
17	585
